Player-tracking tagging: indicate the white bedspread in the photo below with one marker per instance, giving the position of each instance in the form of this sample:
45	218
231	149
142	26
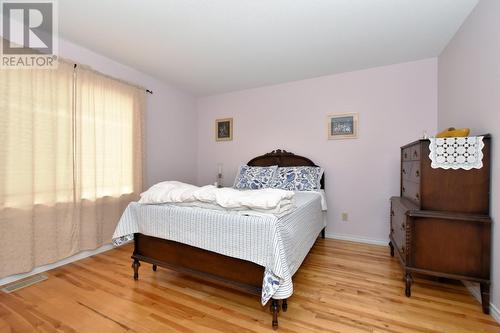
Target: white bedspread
269	201
278	244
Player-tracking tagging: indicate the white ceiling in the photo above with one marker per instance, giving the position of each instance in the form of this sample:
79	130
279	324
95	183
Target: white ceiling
215	46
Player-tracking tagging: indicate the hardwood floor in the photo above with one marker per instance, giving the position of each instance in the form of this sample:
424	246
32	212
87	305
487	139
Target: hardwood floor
341	287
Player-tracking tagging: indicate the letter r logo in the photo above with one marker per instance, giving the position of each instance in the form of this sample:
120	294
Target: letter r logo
27	27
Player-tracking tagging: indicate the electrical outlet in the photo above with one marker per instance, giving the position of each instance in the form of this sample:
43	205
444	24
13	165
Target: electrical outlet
345	217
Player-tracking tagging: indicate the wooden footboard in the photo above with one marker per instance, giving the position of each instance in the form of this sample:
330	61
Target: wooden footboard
209	266
231	272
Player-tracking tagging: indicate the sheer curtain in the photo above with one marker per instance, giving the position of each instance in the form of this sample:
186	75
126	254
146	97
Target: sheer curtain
109	146
70	161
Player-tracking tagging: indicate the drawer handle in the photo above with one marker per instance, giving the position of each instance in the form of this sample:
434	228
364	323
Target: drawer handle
415	153
404	172
404	190
403	226
417	173
403	249
392	213
406	155
417	196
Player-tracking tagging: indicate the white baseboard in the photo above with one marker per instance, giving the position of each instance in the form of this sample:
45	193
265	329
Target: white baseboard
494	312
65	261
476	293
473	289
357	239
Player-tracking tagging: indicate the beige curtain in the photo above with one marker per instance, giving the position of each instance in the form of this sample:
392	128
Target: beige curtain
109	142
70	161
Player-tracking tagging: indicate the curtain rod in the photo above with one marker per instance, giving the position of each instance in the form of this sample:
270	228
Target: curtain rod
147	90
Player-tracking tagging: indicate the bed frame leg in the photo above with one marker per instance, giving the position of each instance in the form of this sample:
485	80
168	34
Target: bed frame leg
275	309
392	249
408	280
323	233
135	265
485	297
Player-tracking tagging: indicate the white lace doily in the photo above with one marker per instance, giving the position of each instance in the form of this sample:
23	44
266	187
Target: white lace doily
457	153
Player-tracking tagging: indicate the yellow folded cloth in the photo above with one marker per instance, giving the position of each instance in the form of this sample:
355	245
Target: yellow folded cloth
453	132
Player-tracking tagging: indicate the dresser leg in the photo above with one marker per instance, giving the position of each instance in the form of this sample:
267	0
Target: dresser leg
392	249
323	233
408	280
155	268
135	266
485	297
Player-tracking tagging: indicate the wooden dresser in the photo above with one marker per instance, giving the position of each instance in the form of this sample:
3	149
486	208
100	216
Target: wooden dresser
440	223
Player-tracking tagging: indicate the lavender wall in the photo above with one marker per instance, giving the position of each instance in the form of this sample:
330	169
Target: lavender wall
170	117
395	104
469	96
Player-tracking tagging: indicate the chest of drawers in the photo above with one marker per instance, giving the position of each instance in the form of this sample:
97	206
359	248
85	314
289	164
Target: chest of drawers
464	191
440	224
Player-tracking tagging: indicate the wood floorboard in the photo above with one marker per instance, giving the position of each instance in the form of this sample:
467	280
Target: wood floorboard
342	287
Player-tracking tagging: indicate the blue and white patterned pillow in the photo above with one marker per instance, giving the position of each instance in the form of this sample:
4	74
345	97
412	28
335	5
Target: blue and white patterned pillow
303	178
254	178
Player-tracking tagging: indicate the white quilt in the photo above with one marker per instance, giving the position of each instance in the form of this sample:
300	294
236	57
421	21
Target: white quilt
269	201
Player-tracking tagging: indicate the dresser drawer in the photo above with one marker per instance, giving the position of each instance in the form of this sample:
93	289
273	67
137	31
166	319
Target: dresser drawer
414	171
406	172
406	154
398	226
411	190
399	236
415	152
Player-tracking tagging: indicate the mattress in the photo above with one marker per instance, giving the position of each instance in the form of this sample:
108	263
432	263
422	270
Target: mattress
279	244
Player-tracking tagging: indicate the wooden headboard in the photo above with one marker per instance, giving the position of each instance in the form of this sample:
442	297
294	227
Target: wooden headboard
282	158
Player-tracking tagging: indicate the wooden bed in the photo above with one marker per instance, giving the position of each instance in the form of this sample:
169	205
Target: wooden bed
235	273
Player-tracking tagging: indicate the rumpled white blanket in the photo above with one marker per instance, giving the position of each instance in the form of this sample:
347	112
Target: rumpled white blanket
269	201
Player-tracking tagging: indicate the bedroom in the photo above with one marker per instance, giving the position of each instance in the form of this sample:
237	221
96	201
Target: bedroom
191	91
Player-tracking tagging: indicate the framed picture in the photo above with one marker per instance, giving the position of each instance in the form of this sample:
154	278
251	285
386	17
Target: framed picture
224	129
342	126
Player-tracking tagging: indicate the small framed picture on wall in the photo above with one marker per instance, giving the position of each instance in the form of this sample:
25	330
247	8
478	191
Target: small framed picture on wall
224	129
342	126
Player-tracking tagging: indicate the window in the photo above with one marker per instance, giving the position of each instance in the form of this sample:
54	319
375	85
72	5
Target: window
70	161
68	134
36	163
105	133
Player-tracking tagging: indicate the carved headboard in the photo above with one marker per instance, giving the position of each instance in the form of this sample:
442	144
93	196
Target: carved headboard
282	158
